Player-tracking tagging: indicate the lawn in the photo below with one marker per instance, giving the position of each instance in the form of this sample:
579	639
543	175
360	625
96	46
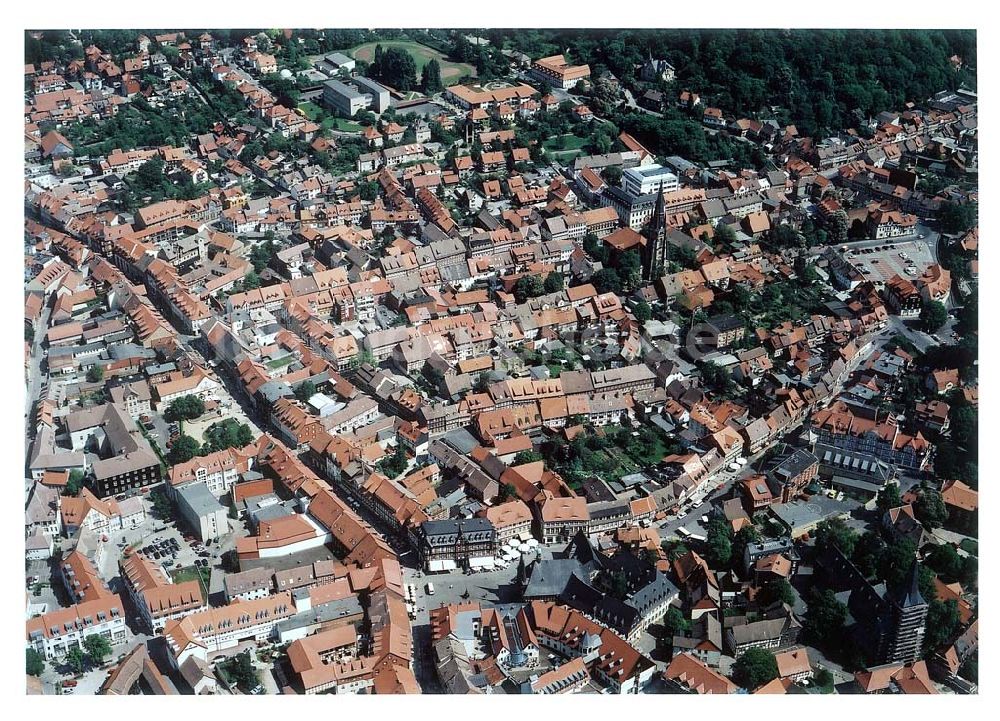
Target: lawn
193	573
569	143
280	362
342	124
328	121
451	72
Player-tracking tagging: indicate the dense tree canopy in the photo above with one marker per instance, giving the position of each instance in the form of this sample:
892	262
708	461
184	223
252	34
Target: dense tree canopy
825	619
933	316
183	450
228	433
185	408
754	668
430	77
34	662
835	532
395	67
819	77
305	390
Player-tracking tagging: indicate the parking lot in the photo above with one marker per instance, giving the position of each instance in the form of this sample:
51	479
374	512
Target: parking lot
905	257
175	550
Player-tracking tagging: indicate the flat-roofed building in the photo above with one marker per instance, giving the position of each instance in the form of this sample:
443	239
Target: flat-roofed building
379	93
202	510
649	179
345	99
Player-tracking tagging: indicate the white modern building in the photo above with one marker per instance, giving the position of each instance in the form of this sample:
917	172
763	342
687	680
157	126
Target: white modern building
648	179
202	511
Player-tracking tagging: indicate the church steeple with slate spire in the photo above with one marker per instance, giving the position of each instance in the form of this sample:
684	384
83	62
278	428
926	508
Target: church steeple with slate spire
656	238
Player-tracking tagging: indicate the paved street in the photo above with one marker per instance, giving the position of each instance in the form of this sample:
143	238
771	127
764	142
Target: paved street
36	383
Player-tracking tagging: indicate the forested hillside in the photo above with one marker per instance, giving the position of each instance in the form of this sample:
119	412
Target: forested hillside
818	77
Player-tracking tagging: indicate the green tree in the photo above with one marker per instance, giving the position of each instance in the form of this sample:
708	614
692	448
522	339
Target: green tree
674	622
825	619
929	507
97	647
395	464
163	508
482	382
836	532
642	311
183	450
606	280
785	236
719	546
185	408
754	668
261	255
837	226
251	280
744	537
955	218
868	553
895	563
554	282
942	623
34	662
75	483
149	178
95	374
75	659
527	457
228	433
305	390
933	316
629	269
964	425
241	671
725	235
612	175
780	590
889	497
508	492
946	561
528	286
369	190
430	79
395	67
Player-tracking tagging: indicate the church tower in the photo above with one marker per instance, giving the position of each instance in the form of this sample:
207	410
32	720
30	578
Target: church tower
656	240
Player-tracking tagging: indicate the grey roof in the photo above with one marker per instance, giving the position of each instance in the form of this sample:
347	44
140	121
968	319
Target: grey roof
549	577
343	89
199	499
369	85
338	58
448	529
249	580
793	465
324	613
